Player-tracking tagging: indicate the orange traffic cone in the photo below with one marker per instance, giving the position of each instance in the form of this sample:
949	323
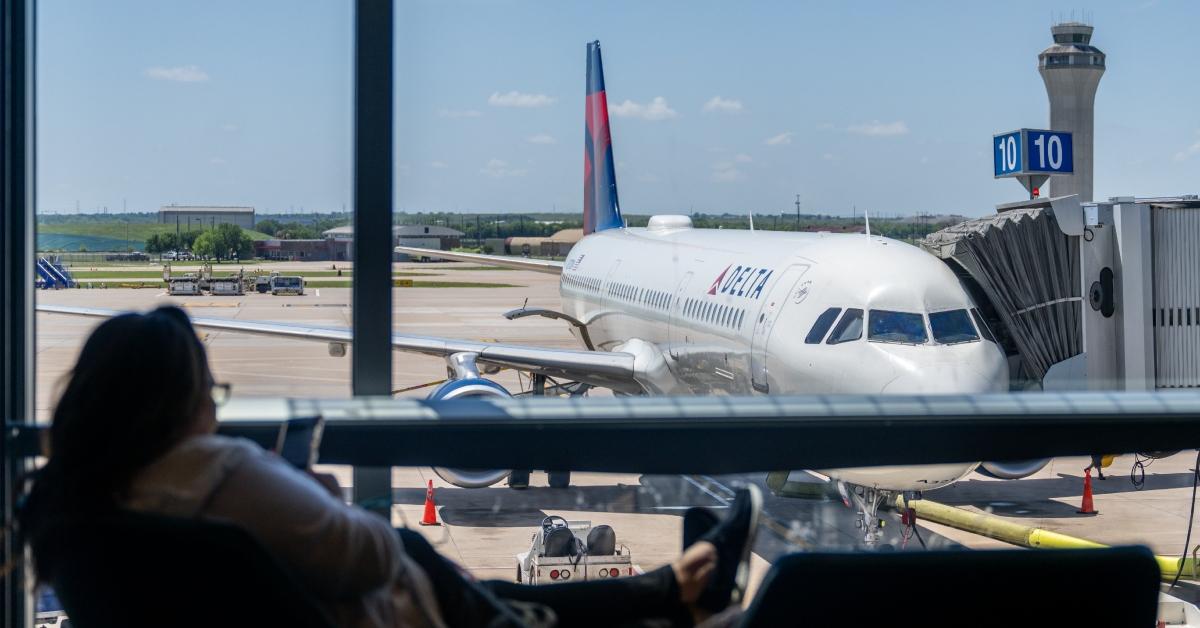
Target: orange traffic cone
1086	508
430	518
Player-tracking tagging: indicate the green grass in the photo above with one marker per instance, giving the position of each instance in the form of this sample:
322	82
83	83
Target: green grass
122	230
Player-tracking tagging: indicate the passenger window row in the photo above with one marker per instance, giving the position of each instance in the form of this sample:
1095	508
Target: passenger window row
652	299
948	328
586	284
714	313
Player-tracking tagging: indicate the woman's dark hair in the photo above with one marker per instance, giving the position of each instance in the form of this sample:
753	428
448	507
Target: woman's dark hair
136	390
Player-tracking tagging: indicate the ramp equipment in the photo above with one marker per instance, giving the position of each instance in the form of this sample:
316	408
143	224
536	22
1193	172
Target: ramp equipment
53	274
1029	271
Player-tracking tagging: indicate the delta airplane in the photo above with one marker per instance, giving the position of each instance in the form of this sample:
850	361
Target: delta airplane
671	309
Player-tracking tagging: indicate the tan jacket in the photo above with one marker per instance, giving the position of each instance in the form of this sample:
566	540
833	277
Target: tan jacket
350	559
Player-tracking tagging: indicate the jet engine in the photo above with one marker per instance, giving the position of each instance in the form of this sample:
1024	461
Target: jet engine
460	389
1012	469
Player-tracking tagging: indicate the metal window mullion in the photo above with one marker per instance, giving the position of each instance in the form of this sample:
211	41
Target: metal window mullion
371	355
16	285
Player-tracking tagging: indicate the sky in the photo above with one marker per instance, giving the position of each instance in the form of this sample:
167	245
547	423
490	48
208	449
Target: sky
716	106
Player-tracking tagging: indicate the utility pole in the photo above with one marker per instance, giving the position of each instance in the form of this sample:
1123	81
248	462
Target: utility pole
797	212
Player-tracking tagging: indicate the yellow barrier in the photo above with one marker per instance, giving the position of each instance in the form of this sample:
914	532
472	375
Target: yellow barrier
1025	536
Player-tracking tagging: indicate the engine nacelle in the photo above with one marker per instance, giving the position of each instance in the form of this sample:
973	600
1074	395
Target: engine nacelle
1013	469
461	389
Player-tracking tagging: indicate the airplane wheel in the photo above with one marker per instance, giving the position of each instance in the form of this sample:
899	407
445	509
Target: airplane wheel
518	479
559	479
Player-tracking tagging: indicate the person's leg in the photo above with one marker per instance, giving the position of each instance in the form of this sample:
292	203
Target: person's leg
462	601
638	599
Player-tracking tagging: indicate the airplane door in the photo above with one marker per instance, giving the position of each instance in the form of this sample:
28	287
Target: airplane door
778	299
607	316
676	334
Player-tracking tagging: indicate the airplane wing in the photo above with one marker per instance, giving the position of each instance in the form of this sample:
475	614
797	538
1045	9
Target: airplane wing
608	369
504	261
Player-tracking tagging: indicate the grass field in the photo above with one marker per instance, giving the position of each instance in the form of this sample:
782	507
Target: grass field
122	231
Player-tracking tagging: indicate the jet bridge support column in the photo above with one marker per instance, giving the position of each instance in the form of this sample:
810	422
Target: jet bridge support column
1135	283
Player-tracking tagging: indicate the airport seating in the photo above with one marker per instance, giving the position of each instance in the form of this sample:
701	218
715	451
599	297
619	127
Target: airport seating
1100	587
131	570
602	541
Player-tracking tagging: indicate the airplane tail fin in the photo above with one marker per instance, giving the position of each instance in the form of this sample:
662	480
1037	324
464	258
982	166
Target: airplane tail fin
601	209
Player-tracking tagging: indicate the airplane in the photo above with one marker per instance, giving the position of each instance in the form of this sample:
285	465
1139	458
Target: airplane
671	309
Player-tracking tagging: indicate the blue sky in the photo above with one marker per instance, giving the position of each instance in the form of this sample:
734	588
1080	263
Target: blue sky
725	106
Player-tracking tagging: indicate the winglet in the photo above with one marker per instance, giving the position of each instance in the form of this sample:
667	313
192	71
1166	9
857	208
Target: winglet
601	209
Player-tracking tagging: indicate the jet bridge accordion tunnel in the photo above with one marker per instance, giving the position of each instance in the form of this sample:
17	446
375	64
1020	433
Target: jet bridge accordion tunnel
1101	296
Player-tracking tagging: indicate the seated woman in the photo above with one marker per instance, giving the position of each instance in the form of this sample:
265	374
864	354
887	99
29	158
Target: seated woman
135	429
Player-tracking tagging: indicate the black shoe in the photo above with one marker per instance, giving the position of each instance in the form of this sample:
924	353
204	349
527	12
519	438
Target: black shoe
696	523
733	538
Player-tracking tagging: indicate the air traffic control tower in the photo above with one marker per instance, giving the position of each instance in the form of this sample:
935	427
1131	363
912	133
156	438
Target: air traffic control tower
1071	69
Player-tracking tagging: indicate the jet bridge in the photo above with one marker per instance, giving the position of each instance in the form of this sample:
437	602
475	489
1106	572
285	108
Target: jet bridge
1102	295
1026	269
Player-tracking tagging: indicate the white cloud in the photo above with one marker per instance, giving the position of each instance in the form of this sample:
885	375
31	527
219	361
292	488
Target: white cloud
780	140
829	157
229	127
542	138
721	105
875	128
518	99
825	126
656	109
647	177
180	74
458	113
217	161
498	169
438	164
725	172
743	158
1189	152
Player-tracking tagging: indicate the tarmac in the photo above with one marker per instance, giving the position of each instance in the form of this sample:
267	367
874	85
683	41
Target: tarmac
483	529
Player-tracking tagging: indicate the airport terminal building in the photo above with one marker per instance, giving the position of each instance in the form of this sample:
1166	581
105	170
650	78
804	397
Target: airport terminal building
205	217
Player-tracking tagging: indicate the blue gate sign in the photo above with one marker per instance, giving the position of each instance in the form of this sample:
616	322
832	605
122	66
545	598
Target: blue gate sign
1032	151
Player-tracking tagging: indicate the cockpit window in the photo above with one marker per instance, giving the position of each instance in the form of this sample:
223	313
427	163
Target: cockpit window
849	328
902	327
983	328
952	327
819	328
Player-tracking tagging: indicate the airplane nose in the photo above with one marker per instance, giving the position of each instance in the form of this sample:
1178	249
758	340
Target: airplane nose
943	381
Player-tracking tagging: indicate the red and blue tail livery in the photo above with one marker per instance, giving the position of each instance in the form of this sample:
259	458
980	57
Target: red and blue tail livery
601	209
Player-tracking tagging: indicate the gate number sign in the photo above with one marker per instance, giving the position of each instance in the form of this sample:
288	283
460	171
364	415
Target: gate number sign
1031	151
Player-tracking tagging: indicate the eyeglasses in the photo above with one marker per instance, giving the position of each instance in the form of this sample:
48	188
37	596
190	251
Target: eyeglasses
220	393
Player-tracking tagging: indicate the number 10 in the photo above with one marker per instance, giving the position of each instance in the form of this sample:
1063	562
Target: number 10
1008	153
1054	147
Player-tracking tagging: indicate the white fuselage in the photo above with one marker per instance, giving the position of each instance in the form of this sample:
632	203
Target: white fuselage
731	312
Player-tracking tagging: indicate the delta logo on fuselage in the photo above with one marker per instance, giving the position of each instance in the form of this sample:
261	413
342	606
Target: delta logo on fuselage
744	281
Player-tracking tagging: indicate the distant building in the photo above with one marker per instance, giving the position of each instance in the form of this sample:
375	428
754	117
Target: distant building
190	217
423	236
322	250
557	245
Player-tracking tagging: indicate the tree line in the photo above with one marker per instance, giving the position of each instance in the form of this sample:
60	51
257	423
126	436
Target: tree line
226	241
